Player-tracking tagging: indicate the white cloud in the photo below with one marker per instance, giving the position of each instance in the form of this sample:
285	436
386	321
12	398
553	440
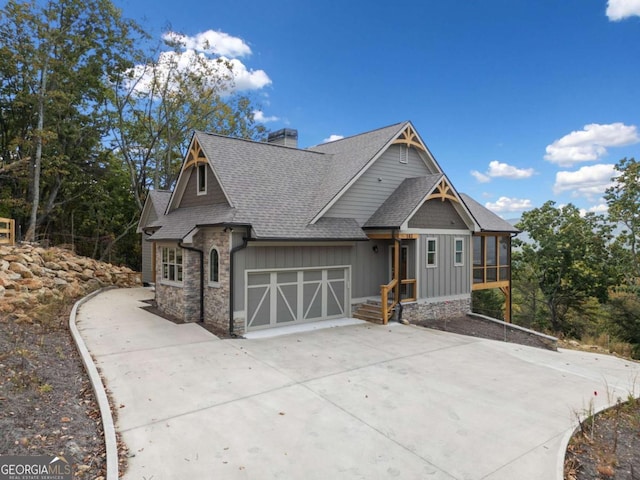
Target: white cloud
600	208
589	182
258	116
621	9
333	138
202	60
502	170
480	177
246	79
211	42
506	204
590	143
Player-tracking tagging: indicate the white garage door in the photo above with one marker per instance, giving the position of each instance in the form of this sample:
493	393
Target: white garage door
282	297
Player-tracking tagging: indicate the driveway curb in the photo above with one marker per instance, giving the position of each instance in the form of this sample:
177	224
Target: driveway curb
98	389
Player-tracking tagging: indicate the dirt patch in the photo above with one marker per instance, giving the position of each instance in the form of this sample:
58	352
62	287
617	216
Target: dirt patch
216	330
482	328
606	446
47	406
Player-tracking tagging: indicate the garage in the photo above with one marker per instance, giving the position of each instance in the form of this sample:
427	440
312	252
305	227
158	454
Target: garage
287	296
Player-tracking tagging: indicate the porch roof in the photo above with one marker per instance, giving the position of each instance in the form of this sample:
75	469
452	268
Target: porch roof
403	201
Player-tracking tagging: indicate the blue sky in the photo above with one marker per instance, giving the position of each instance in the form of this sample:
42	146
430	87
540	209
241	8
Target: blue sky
519	101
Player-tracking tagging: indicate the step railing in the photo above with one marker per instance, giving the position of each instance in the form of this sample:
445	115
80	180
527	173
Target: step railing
7	231
387	307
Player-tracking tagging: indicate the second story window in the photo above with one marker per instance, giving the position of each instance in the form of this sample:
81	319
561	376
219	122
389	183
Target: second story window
202	179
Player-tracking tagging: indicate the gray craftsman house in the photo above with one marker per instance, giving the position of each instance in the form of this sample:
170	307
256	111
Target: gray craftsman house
263	234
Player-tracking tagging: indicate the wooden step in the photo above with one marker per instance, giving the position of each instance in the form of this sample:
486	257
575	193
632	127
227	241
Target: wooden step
370	312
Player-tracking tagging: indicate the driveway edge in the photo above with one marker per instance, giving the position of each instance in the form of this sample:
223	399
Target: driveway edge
99	391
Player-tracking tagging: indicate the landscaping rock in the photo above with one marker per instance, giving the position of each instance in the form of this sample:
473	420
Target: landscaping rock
31	274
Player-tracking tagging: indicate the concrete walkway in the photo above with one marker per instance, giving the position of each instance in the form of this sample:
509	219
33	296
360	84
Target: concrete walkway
353	402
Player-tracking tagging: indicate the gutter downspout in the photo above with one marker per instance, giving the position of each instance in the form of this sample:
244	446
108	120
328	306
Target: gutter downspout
232	255
201	253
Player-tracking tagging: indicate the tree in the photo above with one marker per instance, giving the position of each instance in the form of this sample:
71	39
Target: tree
568	258
54	61
623	200
488	302
158	102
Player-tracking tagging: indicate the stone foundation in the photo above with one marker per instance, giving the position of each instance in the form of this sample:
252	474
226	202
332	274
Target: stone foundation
445	309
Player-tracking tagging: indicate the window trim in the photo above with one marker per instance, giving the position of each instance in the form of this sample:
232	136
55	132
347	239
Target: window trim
177	268
212	282
434	251
201	189
457	263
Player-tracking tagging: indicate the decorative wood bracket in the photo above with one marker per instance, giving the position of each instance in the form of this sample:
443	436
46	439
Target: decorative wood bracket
195	155
444	192
409	138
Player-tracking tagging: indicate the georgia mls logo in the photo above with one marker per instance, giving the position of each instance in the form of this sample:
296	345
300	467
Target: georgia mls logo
39	467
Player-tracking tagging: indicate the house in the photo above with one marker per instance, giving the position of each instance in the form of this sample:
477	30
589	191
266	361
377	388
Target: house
263	234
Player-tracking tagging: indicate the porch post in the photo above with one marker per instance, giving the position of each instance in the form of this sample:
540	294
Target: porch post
397	246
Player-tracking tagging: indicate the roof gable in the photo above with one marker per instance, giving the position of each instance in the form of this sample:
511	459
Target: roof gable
354	156
195	157
153	209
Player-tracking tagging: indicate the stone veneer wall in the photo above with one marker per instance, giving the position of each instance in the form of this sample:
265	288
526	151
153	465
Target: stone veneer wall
415	312
181	301
216	297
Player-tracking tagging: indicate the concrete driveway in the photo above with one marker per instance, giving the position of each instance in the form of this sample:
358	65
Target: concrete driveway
361	401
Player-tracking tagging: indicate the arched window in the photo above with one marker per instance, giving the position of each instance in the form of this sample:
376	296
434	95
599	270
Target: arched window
214	266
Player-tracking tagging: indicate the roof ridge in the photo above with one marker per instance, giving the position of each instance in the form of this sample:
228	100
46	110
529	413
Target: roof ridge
256	142
360	134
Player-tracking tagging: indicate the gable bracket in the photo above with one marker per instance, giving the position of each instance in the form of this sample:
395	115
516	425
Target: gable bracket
409	138
195	155
443	192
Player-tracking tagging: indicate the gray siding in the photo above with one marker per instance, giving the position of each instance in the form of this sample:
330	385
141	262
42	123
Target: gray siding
437	214
190	197
368	193
445	279
285	257
369	269
147	260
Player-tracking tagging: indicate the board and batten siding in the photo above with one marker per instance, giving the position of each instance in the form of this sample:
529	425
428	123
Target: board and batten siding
214	195
290	256
381	179
370	268
446	279
147	260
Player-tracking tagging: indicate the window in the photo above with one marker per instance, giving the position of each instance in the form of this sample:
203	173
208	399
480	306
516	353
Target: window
404	154
214	267
172	264
458	260
202	179
431	252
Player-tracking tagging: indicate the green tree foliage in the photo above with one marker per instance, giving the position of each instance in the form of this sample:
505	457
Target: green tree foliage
567	258
529	308
624	307
623	200
54	59
488	302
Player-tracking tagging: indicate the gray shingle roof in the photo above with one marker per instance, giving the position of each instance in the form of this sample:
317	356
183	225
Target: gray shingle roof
279	190
177	224
486	219
404	200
